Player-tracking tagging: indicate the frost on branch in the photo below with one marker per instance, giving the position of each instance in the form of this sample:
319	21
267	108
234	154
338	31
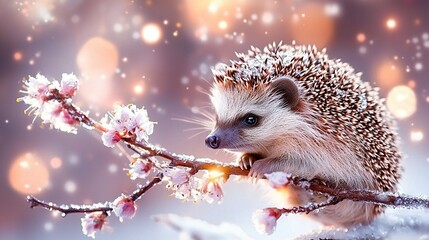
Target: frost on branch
52	102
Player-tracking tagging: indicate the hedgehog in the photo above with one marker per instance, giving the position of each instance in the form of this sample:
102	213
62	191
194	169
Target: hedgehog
290	108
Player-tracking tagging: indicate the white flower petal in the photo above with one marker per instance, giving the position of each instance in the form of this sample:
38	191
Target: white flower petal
278	179
124	207
92	223
110	138
265	220
69	84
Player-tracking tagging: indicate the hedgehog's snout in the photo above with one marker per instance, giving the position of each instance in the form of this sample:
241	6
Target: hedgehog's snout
225	138
213	141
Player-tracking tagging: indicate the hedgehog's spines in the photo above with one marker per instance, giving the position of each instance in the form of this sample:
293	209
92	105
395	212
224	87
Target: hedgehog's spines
350	109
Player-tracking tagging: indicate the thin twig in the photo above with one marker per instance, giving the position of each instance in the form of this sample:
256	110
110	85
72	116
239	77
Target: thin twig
98	207
67	209
140	191
310	207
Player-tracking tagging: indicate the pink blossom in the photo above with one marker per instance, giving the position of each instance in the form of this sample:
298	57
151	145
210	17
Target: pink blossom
42	96
93	222
183	191
265	220
186	187
141	168
127	114
37	87
69	85
278	179
110	138
189	190
52	112
141	125
143	131
124	207
122	116
37	90
129	122
212	190
176	176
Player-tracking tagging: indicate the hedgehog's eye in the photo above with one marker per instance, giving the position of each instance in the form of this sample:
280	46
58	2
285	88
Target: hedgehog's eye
250	120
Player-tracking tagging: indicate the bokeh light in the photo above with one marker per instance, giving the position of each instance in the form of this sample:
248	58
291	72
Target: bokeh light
361	37
206	17
416	135
103	97
70	186
48	226
151	33
333	9
28	174
389	74
267	18
223	25
402	102
56	162
17	56
391	23
112	168
312	25
37	11
139	89
418	66
97	58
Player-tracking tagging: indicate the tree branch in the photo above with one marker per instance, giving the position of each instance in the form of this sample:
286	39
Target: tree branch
384	198
196	164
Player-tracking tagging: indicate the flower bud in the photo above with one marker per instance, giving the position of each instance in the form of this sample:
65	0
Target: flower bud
212	190
110	138
93	222
124	207
69	85
265	220
140	168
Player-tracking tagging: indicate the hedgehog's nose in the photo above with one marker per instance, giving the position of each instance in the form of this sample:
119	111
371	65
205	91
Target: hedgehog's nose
213	141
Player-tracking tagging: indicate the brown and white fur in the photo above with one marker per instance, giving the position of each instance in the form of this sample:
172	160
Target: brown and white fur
287	138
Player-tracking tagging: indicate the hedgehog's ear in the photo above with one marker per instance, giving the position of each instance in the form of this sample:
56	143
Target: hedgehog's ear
287	87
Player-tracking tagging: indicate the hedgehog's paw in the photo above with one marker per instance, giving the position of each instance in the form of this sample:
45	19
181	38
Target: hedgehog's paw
246	160
260	168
